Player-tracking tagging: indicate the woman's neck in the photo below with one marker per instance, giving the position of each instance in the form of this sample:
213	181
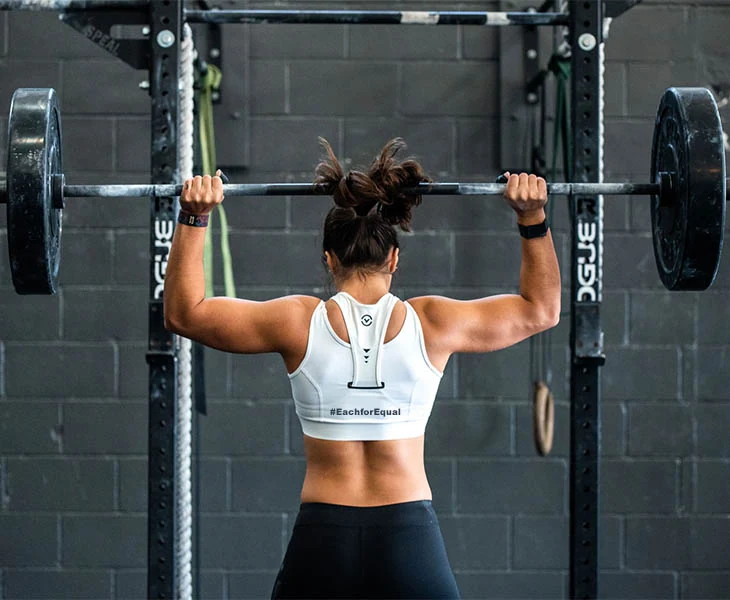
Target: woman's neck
367	289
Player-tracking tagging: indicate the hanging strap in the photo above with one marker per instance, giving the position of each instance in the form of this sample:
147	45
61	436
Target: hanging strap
366	325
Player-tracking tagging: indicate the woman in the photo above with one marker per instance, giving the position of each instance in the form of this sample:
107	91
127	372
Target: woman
364	368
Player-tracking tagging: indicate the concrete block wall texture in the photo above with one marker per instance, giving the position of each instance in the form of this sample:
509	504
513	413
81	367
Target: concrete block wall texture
73	378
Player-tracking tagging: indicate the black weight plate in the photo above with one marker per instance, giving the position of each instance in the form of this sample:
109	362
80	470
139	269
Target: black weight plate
34	155
688	221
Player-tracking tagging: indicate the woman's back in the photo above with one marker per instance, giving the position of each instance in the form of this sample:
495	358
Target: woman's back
356	473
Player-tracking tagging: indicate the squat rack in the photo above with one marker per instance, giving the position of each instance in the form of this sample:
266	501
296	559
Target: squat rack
159	54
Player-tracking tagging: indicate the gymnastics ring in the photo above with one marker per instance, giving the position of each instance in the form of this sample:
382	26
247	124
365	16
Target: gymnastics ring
543	413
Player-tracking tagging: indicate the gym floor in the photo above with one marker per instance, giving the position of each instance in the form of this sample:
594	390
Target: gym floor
73	377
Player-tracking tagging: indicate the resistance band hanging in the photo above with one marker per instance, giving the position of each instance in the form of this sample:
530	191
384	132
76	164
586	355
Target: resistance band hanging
210	81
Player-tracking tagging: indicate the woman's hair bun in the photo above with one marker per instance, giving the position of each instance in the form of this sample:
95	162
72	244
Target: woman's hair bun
394	178
381	189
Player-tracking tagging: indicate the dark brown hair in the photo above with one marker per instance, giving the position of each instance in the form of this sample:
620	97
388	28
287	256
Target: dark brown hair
361	228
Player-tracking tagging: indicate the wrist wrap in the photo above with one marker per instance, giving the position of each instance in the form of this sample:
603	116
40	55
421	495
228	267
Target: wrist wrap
192	219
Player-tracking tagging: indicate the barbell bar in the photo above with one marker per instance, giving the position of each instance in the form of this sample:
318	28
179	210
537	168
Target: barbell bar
687	188
307	189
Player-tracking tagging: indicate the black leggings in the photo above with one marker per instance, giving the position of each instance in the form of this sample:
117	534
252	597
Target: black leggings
393	551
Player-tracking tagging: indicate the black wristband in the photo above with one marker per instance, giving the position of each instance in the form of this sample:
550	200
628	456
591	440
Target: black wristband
192	219
530	232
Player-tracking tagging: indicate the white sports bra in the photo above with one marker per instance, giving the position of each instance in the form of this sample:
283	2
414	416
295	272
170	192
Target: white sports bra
365	389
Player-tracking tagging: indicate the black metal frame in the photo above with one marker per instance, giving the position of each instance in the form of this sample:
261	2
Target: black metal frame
96	25
586	336
585	18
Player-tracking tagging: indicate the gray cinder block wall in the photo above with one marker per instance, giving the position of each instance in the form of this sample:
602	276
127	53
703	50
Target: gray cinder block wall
73	377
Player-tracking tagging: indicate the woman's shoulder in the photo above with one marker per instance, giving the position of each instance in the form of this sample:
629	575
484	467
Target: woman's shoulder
302	299
425	303
300	303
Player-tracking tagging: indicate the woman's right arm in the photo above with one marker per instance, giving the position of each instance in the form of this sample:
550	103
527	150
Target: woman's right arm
497	322
229	324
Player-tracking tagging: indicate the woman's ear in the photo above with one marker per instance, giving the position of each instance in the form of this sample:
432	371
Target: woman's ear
393	260
331	260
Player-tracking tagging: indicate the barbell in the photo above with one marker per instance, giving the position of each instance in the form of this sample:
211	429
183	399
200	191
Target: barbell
687	188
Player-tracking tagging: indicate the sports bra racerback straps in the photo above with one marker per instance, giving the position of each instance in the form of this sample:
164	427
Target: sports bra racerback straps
366	326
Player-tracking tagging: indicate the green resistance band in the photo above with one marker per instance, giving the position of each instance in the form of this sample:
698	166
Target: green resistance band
210	82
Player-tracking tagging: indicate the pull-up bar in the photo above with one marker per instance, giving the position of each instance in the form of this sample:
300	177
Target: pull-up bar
333	17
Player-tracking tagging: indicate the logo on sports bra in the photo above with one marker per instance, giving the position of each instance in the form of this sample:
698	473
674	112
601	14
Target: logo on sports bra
366	320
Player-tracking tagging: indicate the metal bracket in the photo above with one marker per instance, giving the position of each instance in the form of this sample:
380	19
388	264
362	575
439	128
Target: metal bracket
588	333
615	8
97	26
